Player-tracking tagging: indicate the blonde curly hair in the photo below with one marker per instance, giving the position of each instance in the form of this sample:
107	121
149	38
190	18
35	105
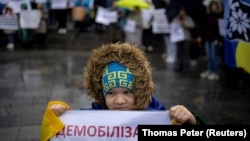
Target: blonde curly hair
130	56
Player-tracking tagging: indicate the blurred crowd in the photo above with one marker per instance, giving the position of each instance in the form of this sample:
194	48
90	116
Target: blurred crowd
197	20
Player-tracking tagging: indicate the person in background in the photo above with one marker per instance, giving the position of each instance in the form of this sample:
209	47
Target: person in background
118	76
134	37
122	14
61	15
100	28
116	30
171	10
26	35
183	55
83	26
113	29
41	32
8	11
195	45
212	42
147	34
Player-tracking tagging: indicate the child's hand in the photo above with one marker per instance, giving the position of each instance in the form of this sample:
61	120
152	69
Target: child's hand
58	109
181	115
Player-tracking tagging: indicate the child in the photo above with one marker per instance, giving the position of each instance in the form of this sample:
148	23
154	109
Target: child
118	77
41	31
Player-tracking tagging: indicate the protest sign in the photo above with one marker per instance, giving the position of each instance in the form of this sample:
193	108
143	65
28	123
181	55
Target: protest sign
8	22
176	33
146	15
160	23
59	4
4	1
130	26
105	16
98	125
222	27
40	1
30	19
15	5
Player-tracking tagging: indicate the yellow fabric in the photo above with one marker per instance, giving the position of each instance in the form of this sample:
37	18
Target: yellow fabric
51	124
243	55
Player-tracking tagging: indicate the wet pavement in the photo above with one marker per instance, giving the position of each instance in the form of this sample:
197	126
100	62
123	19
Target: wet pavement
29	79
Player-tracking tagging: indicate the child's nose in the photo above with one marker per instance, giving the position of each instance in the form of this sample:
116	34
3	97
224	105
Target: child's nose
119	99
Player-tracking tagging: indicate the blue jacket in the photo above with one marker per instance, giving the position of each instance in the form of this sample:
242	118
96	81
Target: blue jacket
154	105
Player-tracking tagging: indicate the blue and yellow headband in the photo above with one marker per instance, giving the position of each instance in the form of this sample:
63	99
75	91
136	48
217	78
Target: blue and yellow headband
116	75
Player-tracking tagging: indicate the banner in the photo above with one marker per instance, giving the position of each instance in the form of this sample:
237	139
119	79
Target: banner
103	125
30	19
8	22
160	23
237	38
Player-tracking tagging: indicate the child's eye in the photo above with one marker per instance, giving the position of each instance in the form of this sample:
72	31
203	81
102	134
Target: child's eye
110	92
128	92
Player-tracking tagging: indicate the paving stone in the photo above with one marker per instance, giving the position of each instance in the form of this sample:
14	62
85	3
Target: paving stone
9	133
29	133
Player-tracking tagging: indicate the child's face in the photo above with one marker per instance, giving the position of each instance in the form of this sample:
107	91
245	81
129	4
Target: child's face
120	99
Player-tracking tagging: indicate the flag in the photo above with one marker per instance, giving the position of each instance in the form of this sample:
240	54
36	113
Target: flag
237	38
51	124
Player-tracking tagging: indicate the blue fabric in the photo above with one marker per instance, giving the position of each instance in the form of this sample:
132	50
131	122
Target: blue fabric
154	105
116	75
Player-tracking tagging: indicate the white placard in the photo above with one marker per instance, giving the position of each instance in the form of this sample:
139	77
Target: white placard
112	16
8	22
59	4
146	15
160	22
16	5
100	16
30	19
103	125
130	26
176	33
105	16
40	1
4	1
222	27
